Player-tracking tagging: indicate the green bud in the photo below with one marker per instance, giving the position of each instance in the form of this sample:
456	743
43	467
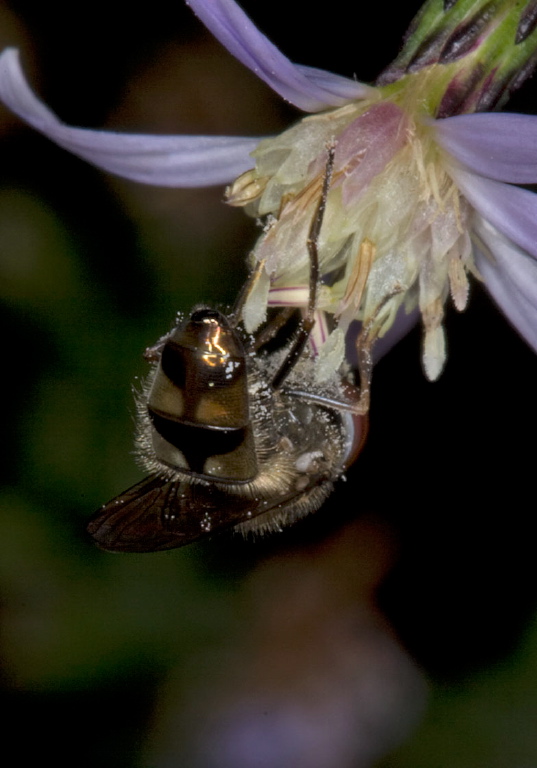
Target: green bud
481	51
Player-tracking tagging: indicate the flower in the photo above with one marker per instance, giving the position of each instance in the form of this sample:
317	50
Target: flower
421	194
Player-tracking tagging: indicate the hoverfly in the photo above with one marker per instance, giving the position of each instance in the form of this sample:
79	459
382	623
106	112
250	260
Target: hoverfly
232	437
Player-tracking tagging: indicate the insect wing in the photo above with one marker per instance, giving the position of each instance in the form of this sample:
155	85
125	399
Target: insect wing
158	514
133	521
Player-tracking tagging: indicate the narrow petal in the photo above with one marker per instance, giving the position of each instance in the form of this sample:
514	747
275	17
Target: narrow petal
172	161
309	89
516	265
510	276
511	210
339	86
500	146
404	322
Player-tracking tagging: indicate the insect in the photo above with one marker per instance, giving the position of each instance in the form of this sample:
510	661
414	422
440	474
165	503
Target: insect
232	437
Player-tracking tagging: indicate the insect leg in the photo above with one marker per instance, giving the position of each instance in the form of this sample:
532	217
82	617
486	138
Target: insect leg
364	349
271	329
308	322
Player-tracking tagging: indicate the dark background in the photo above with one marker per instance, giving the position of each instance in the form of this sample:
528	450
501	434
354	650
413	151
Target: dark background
93	270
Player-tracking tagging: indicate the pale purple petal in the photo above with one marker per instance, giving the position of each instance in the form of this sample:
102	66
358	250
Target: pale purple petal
309	89
500	146
510	276
511	210
522	315
172	161
404	322
340	86
517	265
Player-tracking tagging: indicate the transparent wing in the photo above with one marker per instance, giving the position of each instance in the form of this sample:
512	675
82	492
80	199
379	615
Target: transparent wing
135	520
158	514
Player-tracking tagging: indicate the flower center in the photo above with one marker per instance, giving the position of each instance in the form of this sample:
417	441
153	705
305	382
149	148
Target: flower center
394	232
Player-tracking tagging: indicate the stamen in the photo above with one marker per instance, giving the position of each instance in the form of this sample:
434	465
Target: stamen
358	278
458	282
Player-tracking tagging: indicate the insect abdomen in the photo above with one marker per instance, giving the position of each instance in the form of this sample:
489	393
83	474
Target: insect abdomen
198	402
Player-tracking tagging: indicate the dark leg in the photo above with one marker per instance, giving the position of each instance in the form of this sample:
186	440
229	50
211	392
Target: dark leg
297	348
